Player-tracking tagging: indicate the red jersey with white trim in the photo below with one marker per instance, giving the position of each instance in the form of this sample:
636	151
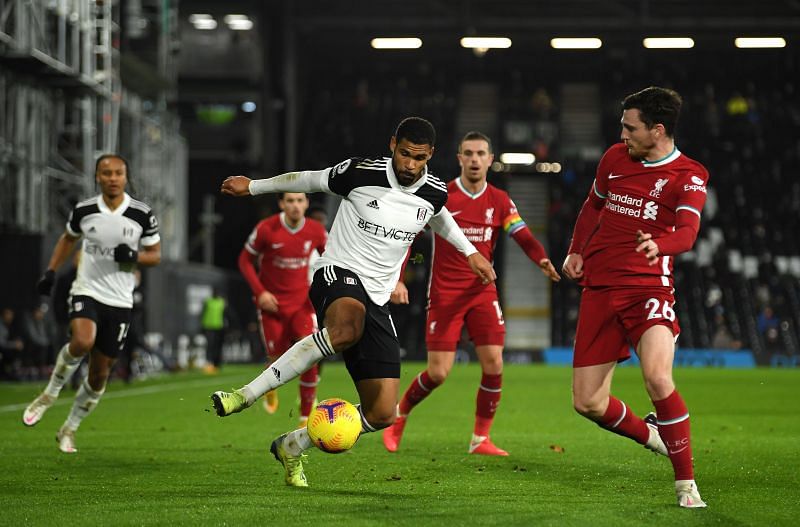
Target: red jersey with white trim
639	195
481	217
284	255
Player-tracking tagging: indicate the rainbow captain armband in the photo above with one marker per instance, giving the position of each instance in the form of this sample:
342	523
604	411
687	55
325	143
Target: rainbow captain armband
513	223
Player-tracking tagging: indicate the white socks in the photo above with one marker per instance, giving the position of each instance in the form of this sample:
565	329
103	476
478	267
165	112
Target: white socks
85	401
297	359
66	365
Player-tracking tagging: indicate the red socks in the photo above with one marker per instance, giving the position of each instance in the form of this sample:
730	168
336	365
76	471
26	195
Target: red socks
308	390
487	402
673	426
419	389
621	420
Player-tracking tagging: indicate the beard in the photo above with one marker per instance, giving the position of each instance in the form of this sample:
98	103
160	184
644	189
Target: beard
404	177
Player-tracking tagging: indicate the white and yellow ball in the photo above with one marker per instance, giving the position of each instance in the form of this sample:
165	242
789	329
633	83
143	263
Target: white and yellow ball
334	425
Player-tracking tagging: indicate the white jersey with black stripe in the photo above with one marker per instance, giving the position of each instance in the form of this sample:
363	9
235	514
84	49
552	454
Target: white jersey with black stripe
377	220
102	229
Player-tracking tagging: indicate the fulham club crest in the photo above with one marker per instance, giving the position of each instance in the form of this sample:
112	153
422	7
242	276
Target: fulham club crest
422	213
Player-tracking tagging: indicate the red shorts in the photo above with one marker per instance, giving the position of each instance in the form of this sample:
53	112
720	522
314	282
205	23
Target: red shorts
446	317
282	329
611	321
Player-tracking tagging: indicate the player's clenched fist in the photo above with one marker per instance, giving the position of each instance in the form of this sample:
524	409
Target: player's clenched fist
647	246
573	266
236	186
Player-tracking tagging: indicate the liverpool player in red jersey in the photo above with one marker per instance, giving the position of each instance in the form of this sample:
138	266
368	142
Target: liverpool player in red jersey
457	296
283	244
643	209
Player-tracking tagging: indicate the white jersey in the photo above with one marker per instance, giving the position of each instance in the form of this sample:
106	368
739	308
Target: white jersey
377	220
99	276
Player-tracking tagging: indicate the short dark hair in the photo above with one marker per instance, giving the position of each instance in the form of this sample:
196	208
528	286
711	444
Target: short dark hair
417	130
656	105
112	156
476	136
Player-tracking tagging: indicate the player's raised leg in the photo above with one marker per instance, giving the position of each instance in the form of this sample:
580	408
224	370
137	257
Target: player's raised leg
439	365
83	331
487	400
591	393
656	351
297	359
346	316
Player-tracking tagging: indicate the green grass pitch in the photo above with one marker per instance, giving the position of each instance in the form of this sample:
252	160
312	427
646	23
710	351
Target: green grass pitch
153	454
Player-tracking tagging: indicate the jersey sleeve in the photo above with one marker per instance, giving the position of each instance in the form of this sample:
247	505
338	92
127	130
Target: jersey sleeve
600	185
342	178
305	181
255	242
512	221
74	223
692	195
590	211
150	235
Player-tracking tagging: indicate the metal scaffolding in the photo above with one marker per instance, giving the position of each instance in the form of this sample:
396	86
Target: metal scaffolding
62	104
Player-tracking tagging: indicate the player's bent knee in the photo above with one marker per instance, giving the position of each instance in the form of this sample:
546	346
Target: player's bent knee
659	387
588	409
437	376
344	336
80	346
380	420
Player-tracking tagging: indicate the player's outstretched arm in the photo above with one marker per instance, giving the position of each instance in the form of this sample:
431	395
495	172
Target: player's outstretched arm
236	186
305	181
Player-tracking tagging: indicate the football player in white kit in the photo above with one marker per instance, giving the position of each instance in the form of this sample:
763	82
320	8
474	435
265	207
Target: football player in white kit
386	203
113	226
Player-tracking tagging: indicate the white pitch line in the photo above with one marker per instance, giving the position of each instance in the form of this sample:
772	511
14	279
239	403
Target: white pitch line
132	392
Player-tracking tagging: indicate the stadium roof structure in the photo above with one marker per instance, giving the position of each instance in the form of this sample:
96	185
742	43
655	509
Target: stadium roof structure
565	15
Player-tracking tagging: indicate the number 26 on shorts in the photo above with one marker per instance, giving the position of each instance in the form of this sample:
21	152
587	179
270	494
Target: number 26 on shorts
659	309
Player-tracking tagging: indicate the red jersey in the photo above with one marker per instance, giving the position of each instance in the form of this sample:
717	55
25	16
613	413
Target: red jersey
639	195
283	257
481	217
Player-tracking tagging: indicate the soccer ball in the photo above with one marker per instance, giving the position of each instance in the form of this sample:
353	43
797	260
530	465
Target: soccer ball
334	425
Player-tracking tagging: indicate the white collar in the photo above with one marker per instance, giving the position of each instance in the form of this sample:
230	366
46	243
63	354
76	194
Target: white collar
101	204
469	194
286	226
669	158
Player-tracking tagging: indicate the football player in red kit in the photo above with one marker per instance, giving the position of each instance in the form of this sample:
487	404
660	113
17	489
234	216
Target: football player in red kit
283	244
643	209
456	296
